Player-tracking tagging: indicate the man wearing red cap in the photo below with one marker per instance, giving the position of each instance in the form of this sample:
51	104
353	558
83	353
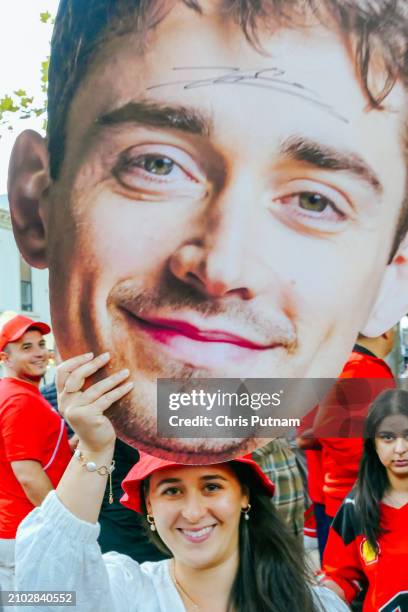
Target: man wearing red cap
34	448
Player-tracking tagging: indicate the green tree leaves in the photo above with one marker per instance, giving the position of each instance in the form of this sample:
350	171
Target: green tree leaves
46	17
19	104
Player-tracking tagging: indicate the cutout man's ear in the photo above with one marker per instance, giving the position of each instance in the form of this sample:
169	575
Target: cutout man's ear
28	182
392	299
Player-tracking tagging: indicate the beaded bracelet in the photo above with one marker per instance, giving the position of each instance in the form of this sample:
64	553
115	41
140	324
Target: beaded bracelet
103	470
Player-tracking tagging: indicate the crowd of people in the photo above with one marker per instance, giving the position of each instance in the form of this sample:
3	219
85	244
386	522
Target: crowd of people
142	533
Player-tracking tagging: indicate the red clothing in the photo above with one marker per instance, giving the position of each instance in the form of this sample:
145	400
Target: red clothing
341	456
29	429
350	561
315	480
310	526
313	459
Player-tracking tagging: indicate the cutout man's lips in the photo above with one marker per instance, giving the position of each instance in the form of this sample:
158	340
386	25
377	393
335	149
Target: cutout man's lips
185	328
189	341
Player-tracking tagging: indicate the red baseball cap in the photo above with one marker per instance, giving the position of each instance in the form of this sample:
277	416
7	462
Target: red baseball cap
17	327
147	464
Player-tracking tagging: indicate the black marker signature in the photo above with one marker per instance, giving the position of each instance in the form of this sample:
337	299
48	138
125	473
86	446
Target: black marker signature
267	78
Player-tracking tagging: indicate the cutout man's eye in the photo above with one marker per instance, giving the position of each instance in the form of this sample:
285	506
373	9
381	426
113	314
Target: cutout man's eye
319	208
160	172
313	202
161	166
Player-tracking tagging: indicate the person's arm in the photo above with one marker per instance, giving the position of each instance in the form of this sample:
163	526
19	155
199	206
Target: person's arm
56	551
81	491
33	480
62	533
307	442
342	566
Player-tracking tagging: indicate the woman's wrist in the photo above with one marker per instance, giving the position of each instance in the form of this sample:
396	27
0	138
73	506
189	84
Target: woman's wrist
82	487
104	454
95	462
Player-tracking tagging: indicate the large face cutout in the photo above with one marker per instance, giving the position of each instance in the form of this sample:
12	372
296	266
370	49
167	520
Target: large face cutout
221	212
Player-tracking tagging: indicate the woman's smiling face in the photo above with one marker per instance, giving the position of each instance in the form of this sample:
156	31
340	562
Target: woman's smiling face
197	512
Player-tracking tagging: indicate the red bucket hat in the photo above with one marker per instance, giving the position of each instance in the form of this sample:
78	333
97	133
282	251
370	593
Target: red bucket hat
17	327
147	464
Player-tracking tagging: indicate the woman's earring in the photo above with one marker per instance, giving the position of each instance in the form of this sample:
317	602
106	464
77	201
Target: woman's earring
245	512
150	520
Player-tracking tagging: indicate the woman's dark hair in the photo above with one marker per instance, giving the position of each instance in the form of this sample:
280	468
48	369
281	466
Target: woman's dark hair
372	478
272	574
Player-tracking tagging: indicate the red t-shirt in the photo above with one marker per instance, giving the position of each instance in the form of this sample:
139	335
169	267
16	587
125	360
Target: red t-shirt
315	476
29	429
350	561
341	456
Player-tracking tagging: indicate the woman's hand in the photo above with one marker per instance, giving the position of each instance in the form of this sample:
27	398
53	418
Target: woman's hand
84	410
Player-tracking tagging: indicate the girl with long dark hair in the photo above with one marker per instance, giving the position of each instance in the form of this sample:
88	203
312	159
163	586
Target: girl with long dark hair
230	552
368	541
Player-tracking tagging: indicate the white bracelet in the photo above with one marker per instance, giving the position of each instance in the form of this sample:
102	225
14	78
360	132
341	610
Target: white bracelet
103	470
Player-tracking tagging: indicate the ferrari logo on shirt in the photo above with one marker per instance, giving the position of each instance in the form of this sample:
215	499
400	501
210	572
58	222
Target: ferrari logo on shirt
368	554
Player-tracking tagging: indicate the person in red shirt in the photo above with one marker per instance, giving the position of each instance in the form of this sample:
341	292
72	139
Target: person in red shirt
335	468
368	540
34	447
341	456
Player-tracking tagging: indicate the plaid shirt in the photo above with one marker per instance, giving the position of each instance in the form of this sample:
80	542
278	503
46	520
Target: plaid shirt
278	462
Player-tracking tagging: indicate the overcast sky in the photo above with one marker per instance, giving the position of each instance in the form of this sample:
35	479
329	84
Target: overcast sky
24	44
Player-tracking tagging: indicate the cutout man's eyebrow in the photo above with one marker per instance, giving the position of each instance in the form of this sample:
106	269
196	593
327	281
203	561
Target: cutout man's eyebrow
153	114
330	158
192	121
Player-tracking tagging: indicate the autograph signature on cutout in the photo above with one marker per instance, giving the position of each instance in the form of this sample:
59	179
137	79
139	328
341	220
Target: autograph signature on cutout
268	78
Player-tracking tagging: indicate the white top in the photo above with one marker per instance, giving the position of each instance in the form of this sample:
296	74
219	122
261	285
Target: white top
56	551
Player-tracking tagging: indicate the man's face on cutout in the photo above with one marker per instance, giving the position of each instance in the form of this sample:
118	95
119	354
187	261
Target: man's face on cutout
204	228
